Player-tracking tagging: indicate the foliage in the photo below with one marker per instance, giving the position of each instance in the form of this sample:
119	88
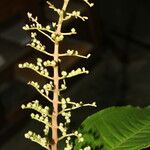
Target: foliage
117	128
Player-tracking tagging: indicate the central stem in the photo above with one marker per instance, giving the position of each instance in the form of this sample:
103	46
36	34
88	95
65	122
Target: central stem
55	100
56	81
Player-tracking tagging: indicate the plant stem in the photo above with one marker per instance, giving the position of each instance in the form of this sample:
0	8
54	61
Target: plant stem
56	81
55	101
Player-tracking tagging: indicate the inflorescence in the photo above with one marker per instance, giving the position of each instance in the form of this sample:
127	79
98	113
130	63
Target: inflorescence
43	113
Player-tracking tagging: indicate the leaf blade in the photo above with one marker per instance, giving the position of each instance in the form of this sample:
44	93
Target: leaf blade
117	128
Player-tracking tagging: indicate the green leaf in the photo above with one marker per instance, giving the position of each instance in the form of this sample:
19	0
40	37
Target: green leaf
117	128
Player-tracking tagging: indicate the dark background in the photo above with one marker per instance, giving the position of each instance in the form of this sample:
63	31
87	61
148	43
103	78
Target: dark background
117	35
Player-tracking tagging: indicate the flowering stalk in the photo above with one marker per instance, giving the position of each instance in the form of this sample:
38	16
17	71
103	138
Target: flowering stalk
50	121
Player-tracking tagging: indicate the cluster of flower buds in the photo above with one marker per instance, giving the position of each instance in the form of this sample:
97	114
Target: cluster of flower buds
49	63
80	104
48	87
36	44
37	26
43	92
75	14
66	110
34	84
63	104
29	65
46	130
69	146
76	53
42	64
74	73
37	138
36	106
31	18
72	52
79	136
37	68
67	116
77	72
34	25
43	119
63	87
77	105
57	37
51	6
62	129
